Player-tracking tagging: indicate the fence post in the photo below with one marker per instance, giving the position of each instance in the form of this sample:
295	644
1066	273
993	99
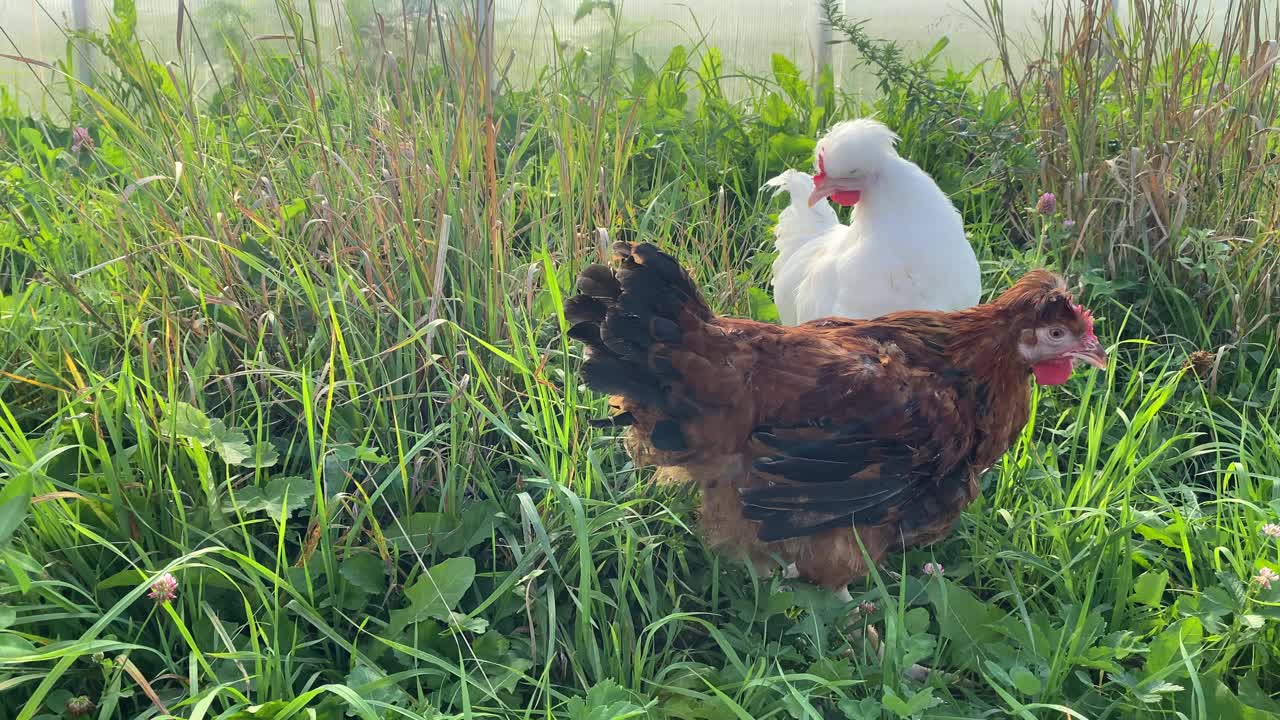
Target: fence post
484	25
83	57
822	53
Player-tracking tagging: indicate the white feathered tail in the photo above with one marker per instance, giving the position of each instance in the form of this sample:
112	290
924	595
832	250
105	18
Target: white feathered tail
799	227
798	223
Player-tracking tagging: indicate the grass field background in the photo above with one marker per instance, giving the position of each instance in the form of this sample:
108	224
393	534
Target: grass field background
289	426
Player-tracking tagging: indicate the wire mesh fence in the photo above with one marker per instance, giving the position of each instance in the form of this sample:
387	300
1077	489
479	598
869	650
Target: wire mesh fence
529	33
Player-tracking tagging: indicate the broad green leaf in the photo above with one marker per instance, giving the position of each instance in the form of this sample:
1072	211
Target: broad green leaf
922	701
918	647
606	700
1165	536
15	646
462	621
1026	681
918	703
186	420
126	13
895	704
1251	694
776	111
499	678
365	571
287	495
15	500
363	453
232	445
677	60
711	68
1166	648
963	620
998	672
832	669
641	74
916	620
416	530
491	647
1149	588
125	578
1220	703
20	566
113	155
262	455
34	137
762	307
476	526
791	148
292	209
778	603
1216	602
445	533
373	684
57	702
864	709
788	78
283	496
438	590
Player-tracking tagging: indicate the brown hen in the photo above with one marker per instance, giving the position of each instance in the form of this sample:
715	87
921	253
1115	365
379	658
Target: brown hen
800	437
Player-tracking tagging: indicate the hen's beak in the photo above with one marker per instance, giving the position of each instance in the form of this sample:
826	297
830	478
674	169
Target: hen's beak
846	192
1092	353
822	189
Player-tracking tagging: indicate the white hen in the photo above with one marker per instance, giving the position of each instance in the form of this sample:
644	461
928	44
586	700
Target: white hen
905	248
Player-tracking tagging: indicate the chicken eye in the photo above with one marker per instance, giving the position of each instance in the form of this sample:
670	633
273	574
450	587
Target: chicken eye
1057	333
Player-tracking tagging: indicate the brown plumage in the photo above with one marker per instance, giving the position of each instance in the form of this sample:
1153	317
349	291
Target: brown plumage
797	436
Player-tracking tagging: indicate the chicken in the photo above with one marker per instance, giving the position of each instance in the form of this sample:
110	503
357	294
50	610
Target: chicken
905	248
806	439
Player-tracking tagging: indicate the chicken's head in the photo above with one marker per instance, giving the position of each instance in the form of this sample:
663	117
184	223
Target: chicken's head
1054	333
849	159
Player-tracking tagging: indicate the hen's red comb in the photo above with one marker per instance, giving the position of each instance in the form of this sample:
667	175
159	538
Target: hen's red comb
822	169
1086	316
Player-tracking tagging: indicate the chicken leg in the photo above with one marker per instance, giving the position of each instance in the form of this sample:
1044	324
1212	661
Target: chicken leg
918	673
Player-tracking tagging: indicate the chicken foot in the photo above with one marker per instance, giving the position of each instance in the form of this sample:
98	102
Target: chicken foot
917	672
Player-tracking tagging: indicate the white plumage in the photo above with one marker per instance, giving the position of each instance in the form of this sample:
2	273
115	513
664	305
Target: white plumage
905	248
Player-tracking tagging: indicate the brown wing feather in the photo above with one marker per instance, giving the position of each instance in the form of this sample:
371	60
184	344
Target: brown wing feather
893	446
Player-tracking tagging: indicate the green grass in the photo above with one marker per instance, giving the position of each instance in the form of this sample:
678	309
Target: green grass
297	343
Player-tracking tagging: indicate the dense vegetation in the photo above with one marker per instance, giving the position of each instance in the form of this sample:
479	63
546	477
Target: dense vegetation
295	343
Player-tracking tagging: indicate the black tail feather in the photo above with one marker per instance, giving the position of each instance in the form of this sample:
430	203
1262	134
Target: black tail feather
626	335
630	319
587	333
599	281
584	308
668	436
612	375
